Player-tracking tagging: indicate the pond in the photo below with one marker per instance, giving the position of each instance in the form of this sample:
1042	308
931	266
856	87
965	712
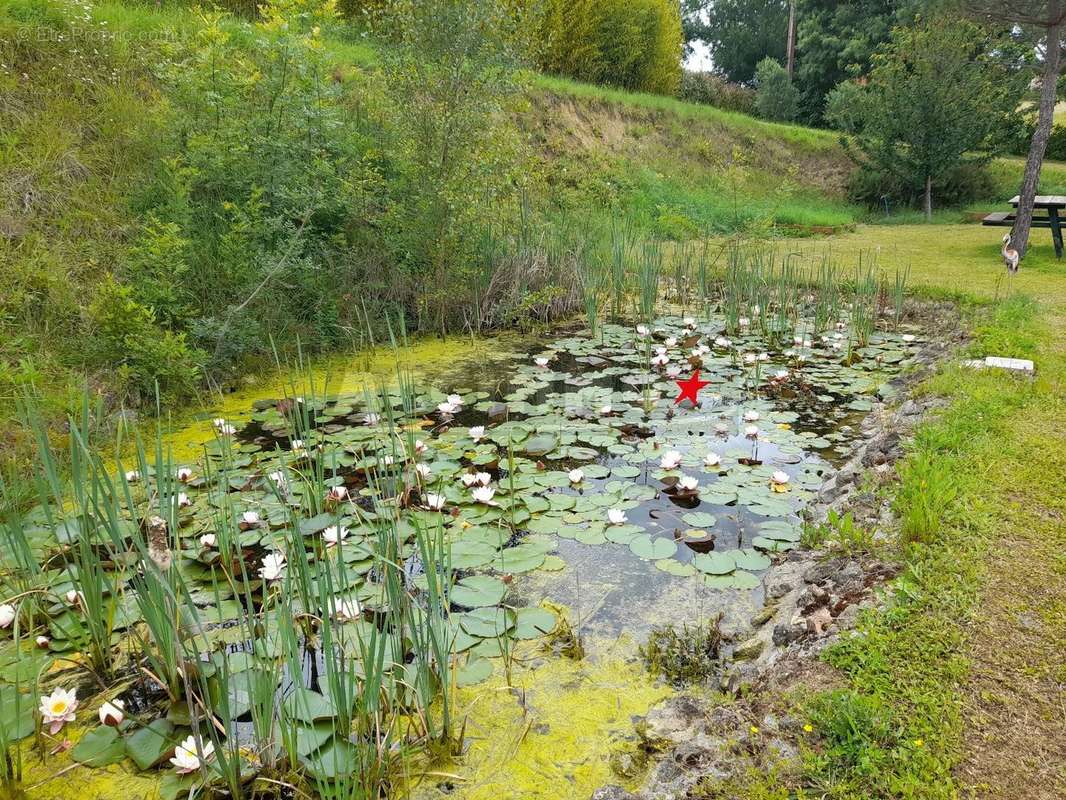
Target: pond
437	539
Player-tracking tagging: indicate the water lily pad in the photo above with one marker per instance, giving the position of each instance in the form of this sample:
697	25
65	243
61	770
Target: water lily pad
714	563
674	567
475	591
652	549
99	747
750	559
146	746
699	519
475	671
534	622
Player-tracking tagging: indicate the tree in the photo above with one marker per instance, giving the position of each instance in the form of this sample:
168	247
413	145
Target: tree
775	96
1044	21
741	33
835	40
939	95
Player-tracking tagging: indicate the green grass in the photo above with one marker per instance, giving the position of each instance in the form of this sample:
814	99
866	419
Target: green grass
970	485
812	138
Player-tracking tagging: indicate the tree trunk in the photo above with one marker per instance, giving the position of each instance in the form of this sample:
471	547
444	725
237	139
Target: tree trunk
790	49
928	198
1044	120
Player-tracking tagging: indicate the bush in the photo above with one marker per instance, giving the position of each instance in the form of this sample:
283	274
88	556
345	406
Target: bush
775	96
845	107
127	339
959	186
634	44
713	90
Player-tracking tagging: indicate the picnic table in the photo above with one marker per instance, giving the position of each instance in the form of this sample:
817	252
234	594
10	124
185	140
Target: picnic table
1050	203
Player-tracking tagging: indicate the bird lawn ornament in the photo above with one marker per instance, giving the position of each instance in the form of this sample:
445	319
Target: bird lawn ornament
1011	257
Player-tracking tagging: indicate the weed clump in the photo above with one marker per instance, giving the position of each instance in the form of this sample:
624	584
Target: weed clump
685	654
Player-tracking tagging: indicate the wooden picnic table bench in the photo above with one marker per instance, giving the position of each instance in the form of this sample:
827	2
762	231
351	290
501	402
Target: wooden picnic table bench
1051	203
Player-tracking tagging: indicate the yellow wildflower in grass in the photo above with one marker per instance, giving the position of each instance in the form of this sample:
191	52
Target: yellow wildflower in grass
754	729
808	727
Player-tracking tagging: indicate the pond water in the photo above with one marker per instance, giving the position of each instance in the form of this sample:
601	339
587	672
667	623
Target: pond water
565	485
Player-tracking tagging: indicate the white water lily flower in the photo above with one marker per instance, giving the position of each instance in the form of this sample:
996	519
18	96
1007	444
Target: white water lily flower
337	493
575	476
112	713
183	500
841	325
836	345
688	483
72	597
642	330
434	502
420	447
455	399
696	352
423	470
223	427
184	474
673	371
824	338
749	358
541	361
484	478
660	359
477	432
483	494
751	416
43	642
133	476
689	322
187	758
58	708
744	322
780	477
371	418
208	540
838	336
447	408
671	460
764	356
671	341
797	340
468	479
348	609
250	517
273	567
755	310
908	337
781	374
704	349
721	428
712	459
7	615
388	461
806	342
279	480
721	341
605	409
334	534
790	353
616	516
752	431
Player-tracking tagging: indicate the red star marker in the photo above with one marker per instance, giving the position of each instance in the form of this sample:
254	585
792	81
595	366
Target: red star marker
690	389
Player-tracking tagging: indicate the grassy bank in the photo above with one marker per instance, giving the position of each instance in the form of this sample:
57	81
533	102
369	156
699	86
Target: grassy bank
955	689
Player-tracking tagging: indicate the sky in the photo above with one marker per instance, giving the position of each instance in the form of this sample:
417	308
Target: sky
700	60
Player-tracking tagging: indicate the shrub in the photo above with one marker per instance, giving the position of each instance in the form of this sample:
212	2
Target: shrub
775	96
634	44
127	339
959	186
845	107
713	90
